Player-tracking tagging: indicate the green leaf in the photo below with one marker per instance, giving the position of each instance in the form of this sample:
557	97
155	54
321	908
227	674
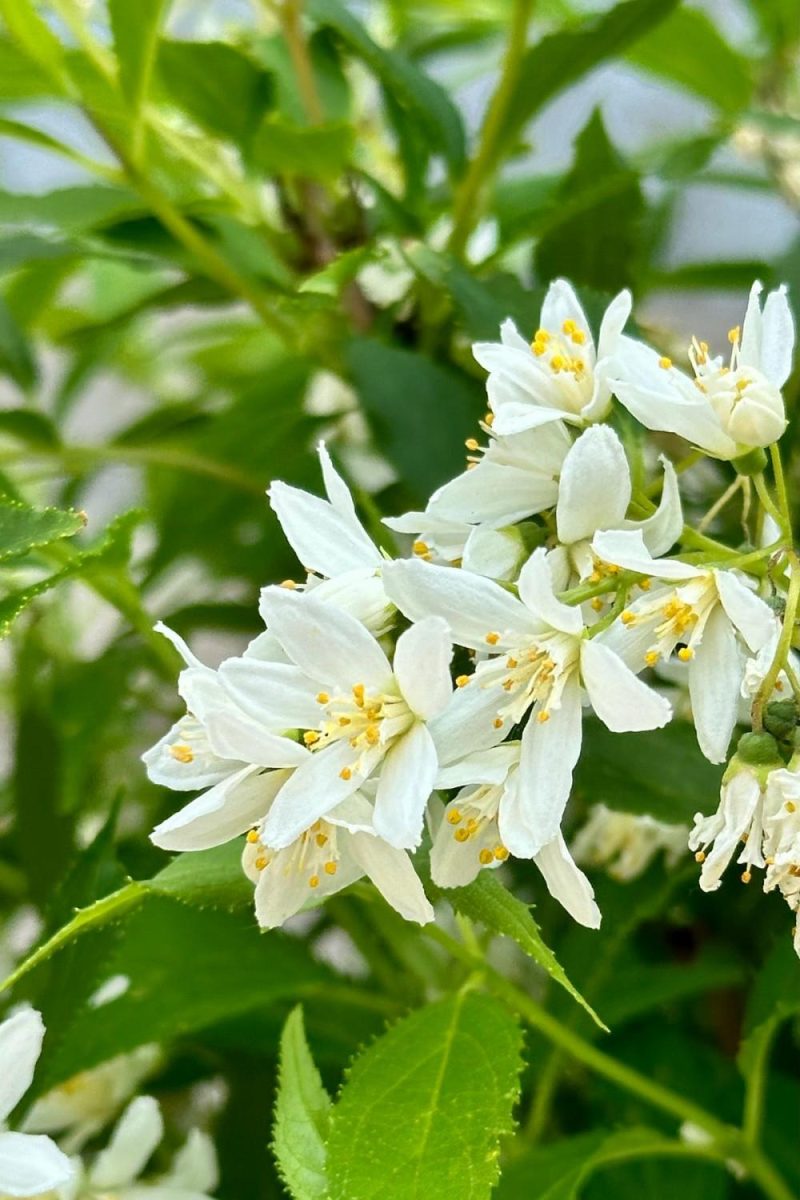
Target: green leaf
422	410
302	1116
23	528
135	30
22	78
424	1108
72	209
207	878
775	998
16	357
487	901
314	151
599	193
33	35
558	60
638	988
687	49
413	91
222	89
661	773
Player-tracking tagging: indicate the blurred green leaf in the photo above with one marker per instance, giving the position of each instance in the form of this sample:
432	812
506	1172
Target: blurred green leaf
314	151
16	356
22	78
72	209
220	88
302	1116
135	30
23	528
424	1108
687	49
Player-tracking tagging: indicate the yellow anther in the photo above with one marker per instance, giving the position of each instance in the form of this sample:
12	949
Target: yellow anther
358	694
578	337
500	853
323	698
557	363
651	658
461	835
421	548
597	604
498	722
508	684
769	860
489	419
462	680
645	584
627	617
595	577
543	716
252	836
373	735
665	363
541	335
577	366
569	326
790	806
746	876
472	444
184	754
313	881
343	720
538	348
261	864
289	583
320	839
345	773
486	857
700	856
511	663
685	653
330	867
454	816
733	336
311	737
493	638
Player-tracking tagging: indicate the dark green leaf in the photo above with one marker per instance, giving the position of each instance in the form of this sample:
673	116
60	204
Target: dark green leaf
222	89
314	151
16	357
302	1116
135	30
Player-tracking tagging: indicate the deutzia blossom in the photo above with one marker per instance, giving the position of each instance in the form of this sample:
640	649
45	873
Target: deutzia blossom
538	658
472	832
626	843
30	1164
335	851
726	409
360	715
559	375
782	838
496	553
704	614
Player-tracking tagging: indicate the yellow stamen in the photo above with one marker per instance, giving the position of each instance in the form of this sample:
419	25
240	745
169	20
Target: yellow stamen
330	867
543	716
493	638
454	816
651	658
486	857
184	754
685	653
733	335
472	444
627	617
665	363
252	836
461	835
289	583
746	876
462	680
323	698
421	548
790	806
345	773
597	604
498	722
313	881
700	856
311	737
500	853
261	864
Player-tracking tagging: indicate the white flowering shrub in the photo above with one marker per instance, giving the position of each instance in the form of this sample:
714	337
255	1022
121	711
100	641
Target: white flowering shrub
380	819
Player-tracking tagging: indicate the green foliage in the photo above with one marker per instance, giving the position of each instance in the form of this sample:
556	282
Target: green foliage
23	528
302	1116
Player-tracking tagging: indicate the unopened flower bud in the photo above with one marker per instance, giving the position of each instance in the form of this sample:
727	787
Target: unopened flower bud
756	750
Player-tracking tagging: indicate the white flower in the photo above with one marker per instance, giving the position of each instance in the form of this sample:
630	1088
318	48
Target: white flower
496	553
30	1164
726	409
471	833
538	660
626	843
80	1108
117	1169
359	713
332	853
557	376
594	494
220	746
705	613
782	838
330	541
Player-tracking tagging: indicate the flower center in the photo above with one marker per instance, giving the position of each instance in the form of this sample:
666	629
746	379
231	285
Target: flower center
473	818
678	618
369	722
314	854
563	354
533	674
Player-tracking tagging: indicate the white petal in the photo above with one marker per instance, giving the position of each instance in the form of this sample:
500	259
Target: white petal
715	677
750	341
549	754
278	695
663	528
323	539
326	643
536	592
405	784
282	892
221	813
180	645
21	1037
614	320
455	864
234	736
777	338
741	796
595	487
621	700
203	770
31	1165
471	605
567	883
521	414
337	490
626	548
495	553
753	618
311	792
467	724
561	304
195	1165
494	494
136	1136
484	766
394	876
422	667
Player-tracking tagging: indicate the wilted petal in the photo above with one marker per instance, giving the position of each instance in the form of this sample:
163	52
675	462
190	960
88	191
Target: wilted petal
740	798
422	666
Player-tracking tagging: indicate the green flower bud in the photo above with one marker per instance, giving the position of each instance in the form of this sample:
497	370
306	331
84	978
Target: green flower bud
758	750
780	719
751	463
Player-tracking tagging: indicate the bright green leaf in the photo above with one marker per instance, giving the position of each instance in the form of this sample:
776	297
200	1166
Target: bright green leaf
23	528
135	30
315	151
222	89
302	1116
16	357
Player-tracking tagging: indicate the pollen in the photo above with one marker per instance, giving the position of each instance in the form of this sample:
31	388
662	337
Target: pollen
686	653
486	857
472	444
421	548
311	737
345	773
493	638
184	754
330	867
700	856
665	363
313	881
252	836
543	716
323	698
627	617
462	680
289	584
454	816
734	334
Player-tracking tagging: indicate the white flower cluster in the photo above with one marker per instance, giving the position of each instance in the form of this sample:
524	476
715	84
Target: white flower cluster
536	589
32	1165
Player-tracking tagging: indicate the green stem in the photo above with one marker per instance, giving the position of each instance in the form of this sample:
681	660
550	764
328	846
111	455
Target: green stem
780	486
755	1095
467	206
784	642
767	502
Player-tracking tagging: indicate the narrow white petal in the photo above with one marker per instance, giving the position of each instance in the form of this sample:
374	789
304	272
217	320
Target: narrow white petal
494	493
455	864
234	736
136	1136
277	695
311	792
324	540
626	548
561	304
777	338
181	773
326	643
194	1167
753	618
31	1165
190	659
621	700
484	766
741	796
752	328
337	490
470	604
21	1039
394	876
663	528
467	724
422	666
567	883
614	320
536	592
715	679
520	415
495	553
405	784
595	487
221	813
282	892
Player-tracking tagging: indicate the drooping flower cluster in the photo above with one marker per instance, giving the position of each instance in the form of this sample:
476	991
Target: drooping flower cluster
442	695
